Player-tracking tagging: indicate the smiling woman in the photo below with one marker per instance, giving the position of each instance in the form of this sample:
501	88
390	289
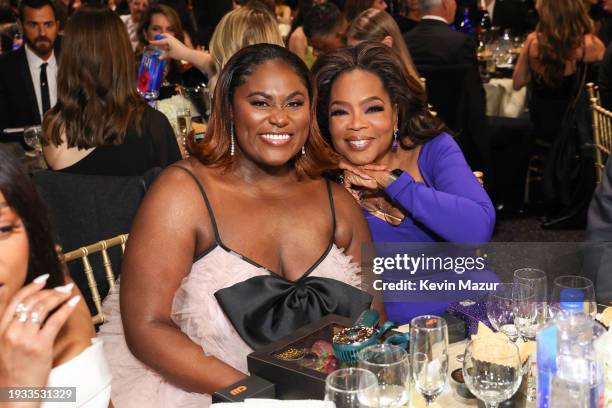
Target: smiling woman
260	244
410	177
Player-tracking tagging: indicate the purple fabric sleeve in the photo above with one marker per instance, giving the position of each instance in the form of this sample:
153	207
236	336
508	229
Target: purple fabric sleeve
454	205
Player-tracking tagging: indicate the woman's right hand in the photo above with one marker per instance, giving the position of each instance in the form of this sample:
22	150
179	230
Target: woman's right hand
26	345
171	47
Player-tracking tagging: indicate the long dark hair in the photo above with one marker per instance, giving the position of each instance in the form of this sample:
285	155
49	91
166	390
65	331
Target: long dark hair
416	124
215	149
22	197
561	30
96	84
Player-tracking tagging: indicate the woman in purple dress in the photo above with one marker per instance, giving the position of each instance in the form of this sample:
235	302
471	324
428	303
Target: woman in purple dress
409	176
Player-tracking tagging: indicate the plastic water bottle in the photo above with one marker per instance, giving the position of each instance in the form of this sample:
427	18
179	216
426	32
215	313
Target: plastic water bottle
568	373
466	26
151	72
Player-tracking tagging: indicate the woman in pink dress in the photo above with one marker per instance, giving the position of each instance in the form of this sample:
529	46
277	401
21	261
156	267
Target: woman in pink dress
236	247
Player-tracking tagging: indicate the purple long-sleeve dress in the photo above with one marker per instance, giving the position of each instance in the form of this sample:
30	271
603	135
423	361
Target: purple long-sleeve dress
451	206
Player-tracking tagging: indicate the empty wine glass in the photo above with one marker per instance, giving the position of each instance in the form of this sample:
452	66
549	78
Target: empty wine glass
580	283
391	366
429	355
537	281
492	369
349	387
31	137
502	304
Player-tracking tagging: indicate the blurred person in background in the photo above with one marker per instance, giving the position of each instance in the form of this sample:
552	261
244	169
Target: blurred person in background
159	19
241	27
378	26
352	8
548	61
187	21
28	75
101	125
408	16
132	20
325	28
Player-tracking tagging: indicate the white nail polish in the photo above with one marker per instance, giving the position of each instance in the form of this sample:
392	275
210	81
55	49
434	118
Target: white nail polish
41	278
73	302
65	289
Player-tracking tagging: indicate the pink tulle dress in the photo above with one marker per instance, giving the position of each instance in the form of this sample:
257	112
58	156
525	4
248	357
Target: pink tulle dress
197	312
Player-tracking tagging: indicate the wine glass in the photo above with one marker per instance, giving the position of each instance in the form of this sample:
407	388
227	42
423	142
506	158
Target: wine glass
580	284
502	304
492	369
429	355
349	387
391	366
537	281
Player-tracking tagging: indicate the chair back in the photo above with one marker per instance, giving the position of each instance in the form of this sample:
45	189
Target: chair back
101	249
85	209
602	130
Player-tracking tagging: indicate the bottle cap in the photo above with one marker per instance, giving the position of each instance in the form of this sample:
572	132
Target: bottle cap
572	300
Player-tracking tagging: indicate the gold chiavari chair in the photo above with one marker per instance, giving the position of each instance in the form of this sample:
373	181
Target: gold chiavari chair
83	253
602	130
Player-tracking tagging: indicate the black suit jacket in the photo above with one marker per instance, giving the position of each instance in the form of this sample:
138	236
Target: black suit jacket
517	15
433	42
18	105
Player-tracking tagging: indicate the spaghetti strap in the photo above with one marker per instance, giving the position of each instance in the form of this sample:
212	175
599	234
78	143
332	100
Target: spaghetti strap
208	206
333	208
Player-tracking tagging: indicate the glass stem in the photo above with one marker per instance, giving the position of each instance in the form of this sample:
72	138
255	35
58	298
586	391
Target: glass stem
491	404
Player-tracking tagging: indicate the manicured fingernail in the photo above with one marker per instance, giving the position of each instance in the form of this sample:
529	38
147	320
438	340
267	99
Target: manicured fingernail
73	302
65	289
41	278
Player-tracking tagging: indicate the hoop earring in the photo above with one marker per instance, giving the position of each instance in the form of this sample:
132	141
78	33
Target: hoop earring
395	143
232	142
303	151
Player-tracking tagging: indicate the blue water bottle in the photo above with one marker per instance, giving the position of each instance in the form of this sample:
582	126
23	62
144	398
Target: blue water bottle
151	72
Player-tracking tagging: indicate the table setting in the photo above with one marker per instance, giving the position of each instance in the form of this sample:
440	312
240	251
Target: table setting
538	344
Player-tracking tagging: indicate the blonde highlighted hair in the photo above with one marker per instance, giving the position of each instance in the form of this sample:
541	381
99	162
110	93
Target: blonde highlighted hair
374	25
240	28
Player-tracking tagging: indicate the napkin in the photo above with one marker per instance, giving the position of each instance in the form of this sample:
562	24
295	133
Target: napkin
490	354
605	317
272	403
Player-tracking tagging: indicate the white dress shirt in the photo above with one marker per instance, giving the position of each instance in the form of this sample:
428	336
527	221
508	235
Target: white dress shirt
132	29
34	62
432	17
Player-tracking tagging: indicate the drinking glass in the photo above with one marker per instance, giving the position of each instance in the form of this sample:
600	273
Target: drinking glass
537	281
391	366
349	387
502	305
31	137
584	285
429	355
492	369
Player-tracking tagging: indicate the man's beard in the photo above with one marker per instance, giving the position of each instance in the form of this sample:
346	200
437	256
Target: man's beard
39	46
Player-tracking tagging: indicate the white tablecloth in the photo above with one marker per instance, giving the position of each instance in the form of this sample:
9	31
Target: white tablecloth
504	101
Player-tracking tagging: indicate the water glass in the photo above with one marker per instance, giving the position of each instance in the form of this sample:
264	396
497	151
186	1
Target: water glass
581	283
492	369
502	307
349	387
537	281
429	355
391	366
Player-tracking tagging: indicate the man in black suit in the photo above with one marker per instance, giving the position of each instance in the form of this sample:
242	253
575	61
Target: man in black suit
518	16
28	86
447	60
433	42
